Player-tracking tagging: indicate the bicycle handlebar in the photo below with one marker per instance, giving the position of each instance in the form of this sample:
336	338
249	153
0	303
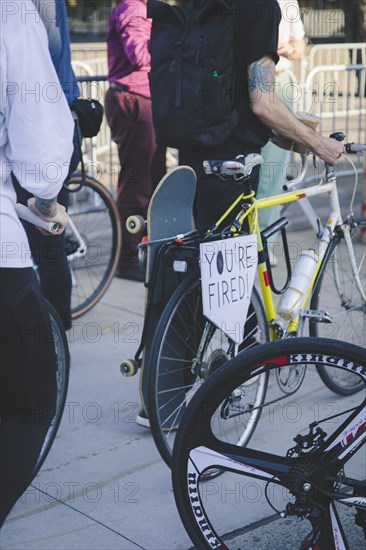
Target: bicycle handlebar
355	148
26	214
296	181
350	149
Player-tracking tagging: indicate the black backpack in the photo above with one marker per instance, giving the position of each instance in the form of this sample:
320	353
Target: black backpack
192	72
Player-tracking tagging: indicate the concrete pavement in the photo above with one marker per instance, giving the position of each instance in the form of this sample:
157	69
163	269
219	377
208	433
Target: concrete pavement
104	485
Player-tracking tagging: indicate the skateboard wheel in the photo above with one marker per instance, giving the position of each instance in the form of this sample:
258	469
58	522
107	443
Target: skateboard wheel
128	367
135	224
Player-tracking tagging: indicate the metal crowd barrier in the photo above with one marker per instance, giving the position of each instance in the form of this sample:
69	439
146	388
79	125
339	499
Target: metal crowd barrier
337	94
336	54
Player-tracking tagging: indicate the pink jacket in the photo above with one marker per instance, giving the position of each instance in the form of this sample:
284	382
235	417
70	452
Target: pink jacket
128	42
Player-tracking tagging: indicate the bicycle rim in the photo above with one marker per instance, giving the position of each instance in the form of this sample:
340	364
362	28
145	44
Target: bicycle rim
337	294
94	246
62	382
188	349
233	511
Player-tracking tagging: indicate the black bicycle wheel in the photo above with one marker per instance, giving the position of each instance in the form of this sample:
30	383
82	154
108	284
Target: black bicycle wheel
187	350
337	293
285	470
62	382
93	242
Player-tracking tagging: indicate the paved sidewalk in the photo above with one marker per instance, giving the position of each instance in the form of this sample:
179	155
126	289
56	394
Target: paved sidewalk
103	485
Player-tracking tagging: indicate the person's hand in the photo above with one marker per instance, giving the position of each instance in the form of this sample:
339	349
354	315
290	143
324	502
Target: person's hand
285	49
328	149
61	217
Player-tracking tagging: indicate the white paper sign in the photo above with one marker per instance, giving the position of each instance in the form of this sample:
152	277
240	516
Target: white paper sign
228	268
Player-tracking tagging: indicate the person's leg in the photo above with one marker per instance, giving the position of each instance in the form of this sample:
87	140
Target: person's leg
28	381
273	171
214	195
130	119
271	181
55	276
158	166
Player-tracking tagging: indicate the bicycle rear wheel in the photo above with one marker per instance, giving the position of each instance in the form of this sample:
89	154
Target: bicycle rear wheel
62	382
274	474
337	293
92	240
187	350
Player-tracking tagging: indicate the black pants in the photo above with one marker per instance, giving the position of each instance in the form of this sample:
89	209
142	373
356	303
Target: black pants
214	195
213	198
28	381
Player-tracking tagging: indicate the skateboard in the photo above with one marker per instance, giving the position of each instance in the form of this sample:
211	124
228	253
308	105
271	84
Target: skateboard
170	213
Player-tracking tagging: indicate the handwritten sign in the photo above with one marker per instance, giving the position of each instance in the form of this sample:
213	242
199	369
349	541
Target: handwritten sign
228	269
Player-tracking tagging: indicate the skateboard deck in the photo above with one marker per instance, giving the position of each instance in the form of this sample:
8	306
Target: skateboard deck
170	213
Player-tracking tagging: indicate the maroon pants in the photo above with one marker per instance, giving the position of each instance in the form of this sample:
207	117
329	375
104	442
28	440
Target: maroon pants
142	161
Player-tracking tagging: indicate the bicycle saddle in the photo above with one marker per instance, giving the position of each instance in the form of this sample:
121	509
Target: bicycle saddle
238	169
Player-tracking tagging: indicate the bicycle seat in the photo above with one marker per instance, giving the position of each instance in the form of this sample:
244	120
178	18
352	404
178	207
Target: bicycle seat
237	169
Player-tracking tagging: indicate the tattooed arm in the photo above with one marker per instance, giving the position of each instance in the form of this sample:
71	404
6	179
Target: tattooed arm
47	207
49	210
272	112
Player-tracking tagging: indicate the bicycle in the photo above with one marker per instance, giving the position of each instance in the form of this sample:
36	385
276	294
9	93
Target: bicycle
62	382
92	241
188	347
299	472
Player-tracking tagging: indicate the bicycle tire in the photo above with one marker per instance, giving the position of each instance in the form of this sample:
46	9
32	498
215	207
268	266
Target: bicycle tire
231	514
334	292
177	338
96	218
62	382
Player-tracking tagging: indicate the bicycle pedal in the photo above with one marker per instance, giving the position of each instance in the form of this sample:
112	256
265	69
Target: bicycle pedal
71	245
316	315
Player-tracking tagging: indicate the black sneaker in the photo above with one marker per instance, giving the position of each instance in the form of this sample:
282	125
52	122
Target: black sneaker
142	419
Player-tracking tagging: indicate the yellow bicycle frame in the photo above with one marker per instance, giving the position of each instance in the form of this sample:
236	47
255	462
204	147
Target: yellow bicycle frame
250	212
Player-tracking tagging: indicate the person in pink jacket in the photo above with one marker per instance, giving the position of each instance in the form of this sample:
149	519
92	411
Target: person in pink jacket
128	112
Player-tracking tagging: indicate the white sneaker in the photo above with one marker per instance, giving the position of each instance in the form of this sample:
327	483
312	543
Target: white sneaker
142	419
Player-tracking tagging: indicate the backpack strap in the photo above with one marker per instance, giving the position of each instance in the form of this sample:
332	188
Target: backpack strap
79	139
178	59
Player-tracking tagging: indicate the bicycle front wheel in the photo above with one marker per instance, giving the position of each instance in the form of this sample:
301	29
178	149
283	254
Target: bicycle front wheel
295	466
93	242
337	293
187	350
62	382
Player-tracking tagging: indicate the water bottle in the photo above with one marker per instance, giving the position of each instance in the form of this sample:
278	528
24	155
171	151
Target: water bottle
291	300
